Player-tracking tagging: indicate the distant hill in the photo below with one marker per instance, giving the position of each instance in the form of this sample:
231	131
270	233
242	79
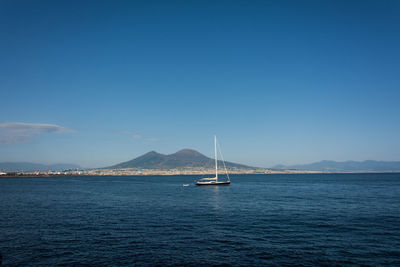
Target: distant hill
28	166
346	166
185	158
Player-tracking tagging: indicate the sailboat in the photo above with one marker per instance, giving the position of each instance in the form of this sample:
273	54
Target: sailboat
214	180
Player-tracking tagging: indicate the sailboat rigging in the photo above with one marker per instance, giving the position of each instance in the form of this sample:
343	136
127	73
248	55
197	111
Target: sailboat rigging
214	180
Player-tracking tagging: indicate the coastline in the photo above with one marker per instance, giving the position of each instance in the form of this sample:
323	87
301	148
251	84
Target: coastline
181	173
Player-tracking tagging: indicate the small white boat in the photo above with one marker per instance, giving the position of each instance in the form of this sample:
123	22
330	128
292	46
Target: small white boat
214	180
185	185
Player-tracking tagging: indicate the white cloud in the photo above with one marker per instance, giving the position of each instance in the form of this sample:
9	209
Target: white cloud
19	132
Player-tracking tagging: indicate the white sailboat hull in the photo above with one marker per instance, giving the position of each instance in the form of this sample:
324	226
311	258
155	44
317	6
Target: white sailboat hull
213	183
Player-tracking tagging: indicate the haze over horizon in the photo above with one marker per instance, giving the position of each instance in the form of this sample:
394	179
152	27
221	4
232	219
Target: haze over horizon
96	83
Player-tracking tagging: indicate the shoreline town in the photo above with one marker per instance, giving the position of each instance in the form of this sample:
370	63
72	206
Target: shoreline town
157	172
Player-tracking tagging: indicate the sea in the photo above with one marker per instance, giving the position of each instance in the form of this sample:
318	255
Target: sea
259	220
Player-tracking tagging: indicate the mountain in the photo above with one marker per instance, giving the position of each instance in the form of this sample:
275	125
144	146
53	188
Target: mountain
184	158
28	166
346	166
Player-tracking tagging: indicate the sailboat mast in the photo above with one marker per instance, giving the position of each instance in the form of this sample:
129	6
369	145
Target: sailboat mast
216	157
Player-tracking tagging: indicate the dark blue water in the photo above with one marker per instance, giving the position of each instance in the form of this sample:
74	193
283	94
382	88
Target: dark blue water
258	220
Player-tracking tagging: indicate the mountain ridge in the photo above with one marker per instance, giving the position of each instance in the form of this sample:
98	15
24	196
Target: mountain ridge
344	166
184	158
29	166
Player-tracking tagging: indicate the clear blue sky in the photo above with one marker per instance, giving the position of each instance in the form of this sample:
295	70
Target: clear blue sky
99	82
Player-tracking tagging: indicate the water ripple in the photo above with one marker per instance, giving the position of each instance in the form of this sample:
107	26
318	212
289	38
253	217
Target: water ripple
290	220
